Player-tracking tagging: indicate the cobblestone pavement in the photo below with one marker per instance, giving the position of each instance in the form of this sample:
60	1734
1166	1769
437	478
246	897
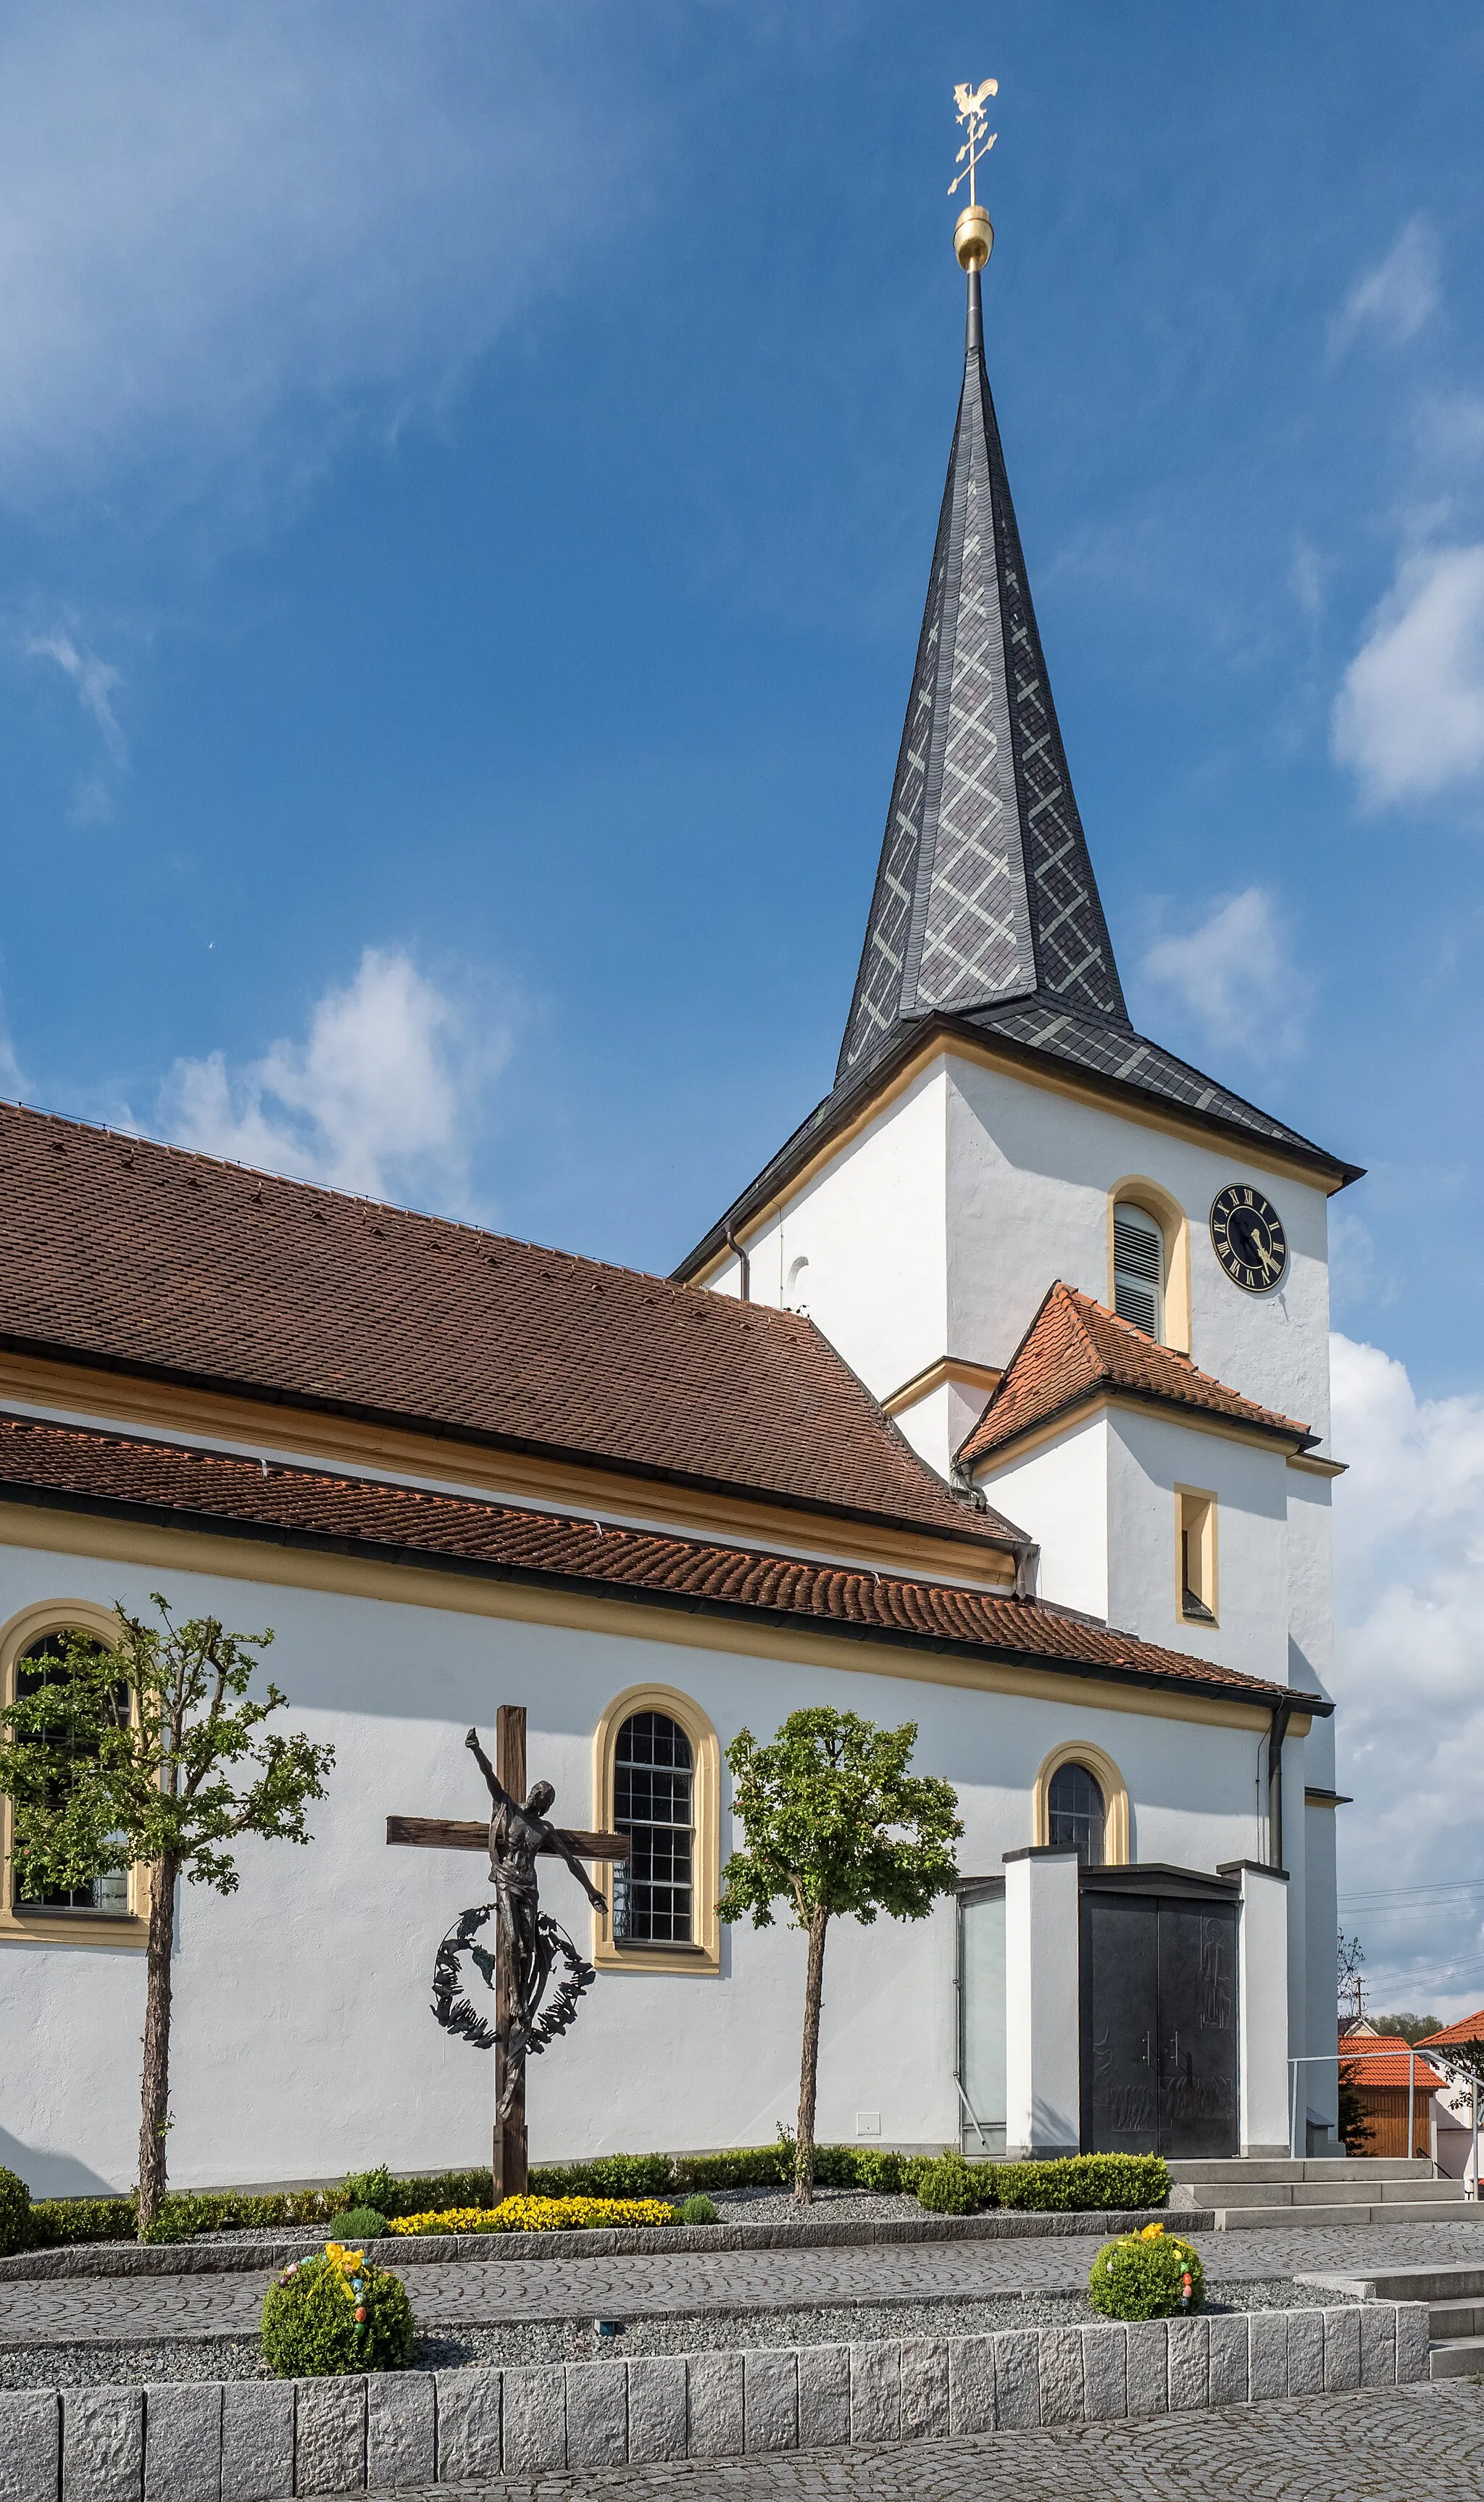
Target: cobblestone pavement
475	2292
1376	2446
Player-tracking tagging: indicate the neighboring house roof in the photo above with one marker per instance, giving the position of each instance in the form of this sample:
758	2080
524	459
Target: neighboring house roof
1076	1348
82	1469
122	1253
1469	2028
1384	2061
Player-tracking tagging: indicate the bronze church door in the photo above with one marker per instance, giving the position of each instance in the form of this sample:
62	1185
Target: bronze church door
1159	2013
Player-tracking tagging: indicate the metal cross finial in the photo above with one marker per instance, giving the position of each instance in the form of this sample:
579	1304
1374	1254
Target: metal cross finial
969	103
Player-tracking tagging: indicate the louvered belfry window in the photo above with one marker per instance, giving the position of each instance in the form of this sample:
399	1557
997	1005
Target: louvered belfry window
1138	1270
654	1774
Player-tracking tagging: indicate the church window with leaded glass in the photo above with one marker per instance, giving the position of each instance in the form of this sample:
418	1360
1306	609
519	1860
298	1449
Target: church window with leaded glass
1076	1813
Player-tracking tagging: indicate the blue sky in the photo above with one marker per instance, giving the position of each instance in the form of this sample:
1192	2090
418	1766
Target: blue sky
467	474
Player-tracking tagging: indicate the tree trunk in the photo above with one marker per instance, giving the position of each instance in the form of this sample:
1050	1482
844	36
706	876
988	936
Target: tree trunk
155	2098
809	2063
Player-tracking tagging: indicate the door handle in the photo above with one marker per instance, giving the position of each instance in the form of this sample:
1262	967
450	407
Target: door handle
1148	2049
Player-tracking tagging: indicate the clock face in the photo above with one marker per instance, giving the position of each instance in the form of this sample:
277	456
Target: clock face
1247	1233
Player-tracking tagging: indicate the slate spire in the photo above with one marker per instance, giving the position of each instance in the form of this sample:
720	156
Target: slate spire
984	894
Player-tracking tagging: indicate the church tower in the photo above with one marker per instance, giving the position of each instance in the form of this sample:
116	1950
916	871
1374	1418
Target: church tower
1088	1281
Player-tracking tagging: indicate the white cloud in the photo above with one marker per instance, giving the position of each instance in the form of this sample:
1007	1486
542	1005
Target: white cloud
1409	716
1399	296
381	1099
96	680
1410	1565
224	223
1235	975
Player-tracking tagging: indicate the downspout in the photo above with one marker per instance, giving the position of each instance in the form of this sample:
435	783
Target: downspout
1282	1714
743	1263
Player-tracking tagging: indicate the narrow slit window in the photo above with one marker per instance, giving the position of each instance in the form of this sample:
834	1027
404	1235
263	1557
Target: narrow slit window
653	1801
1138	1270
1197	1558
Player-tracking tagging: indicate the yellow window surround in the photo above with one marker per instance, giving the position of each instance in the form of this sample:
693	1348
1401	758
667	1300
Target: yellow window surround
702	1957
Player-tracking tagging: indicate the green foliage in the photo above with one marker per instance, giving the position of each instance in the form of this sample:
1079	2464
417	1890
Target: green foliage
698	2209
1141	2276
322	2317
376	2189
14	2214
1407	2028
1119	2182
356	2225
126	1754
1082	2182
949	2187
1353	2120
836	1823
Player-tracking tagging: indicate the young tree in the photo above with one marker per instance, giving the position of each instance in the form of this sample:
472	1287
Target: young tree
148	1751
835	1825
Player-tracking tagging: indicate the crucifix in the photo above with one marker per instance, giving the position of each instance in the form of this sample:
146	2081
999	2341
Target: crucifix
527	1943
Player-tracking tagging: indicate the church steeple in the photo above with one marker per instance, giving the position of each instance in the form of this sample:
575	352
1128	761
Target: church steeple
984	894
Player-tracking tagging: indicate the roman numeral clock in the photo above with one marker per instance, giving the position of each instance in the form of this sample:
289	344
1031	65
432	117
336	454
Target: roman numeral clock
1248	1238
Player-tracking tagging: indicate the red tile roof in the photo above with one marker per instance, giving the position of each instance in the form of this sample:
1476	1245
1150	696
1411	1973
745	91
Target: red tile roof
79	1468
1469	2028
1074	1348
1382	2059
130	1254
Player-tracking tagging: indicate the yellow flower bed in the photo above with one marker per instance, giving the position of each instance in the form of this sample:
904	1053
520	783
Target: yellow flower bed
541	2215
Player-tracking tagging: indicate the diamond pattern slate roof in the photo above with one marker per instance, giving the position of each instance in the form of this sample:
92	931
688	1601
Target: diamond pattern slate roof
124	1252
985	889
84	1468
1075	1347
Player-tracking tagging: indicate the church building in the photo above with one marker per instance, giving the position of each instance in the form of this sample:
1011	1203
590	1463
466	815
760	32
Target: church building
999	1402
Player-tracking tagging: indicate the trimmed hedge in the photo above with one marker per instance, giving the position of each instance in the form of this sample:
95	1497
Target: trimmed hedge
339	2315
1078	2182
15	2212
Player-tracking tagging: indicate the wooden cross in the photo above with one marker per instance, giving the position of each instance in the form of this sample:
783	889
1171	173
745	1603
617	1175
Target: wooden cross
510	2165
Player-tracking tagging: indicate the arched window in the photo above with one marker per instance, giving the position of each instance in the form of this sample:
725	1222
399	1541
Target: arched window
657	1777
1138	1268
32	1648
653	1775
1076	1815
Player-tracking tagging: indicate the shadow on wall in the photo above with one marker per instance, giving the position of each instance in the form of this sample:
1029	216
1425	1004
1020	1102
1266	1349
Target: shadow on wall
51	2174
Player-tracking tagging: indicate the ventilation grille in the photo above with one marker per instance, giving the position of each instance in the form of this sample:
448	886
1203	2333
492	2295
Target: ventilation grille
1138	1270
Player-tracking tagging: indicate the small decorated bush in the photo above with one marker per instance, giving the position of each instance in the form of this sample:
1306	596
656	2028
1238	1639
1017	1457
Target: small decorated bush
336	2315
1146	2275
356	2225
949	2187
14	2214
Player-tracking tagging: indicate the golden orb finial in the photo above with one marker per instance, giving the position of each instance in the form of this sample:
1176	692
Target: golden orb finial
973	235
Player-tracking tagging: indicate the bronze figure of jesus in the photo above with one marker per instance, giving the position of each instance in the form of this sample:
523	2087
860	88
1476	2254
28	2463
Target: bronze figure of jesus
518	1834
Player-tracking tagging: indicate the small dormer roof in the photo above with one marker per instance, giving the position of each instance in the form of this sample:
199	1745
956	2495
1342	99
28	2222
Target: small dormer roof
1077	1350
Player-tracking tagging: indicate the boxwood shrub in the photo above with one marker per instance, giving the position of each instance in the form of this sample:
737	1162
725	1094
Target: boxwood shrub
14	2214
336	2314
1141	2276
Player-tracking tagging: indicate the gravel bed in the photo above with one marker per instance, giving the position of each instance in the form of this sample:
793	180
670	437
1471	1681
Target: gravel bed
576	2340
777	2206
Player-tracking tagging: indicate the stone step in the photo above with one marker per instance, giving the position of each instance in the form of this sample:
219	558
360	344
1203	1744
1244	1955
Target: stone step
1451	2281
1282	2167
1279	2219
1319	2193
1456	2358
1452	2320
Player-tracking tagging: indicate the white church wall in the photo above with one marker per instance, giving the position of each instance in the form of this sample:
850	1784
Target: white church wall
1029	1171
303	2041
1150	1455
1311	1587
859	1247
1058	1494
